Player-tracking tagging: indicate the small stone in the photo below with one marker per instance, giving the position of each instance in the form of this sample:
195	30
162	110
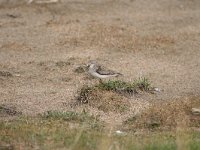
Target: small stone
120	132
17	75
154	90
195	111
157	89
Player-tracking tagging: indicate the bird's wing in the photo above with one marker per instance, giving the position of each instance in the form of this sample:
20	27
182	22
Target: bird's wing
103	71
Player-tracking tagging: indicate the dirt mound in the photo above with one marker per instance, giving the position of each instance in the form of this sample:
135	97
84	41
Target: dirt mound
103	100
167	115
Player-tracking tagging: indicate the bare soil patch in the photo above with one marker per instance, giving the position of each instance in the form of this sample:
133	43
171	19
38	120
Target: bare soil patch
43	47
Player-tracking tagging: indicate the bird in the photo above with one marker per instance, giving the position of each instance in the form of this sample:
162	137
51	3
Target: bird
99	72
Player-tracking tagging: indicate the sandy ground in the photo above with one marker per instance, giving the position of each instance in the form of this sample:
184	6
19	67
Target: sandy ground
42	44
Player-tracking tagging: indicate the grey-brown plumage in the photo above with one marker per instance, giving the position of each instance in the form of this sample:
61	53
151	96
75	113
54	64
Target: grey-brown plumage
101	72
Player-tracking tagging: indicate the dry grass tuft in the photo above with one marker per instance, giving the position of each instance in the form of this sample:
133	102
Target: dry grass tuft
69	116
166	115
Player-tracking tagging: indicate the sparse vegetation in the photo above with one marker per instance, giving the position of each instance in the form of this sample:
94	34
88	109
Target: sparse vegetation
112	95
166	115
118	86
143	84
53	133
83	118
126	87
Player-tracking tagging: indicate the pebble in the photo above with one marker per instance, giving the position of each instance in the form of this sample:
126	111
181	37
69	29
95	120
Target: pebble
195	111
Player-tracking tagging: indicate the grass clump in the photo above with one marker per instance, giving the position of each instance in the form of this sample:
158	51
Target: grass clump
112	95
143	84
67	116
119	86
74	117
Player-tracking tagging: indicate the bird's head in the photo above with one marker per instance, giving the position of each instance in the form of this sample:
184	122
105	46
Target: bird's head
91	63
